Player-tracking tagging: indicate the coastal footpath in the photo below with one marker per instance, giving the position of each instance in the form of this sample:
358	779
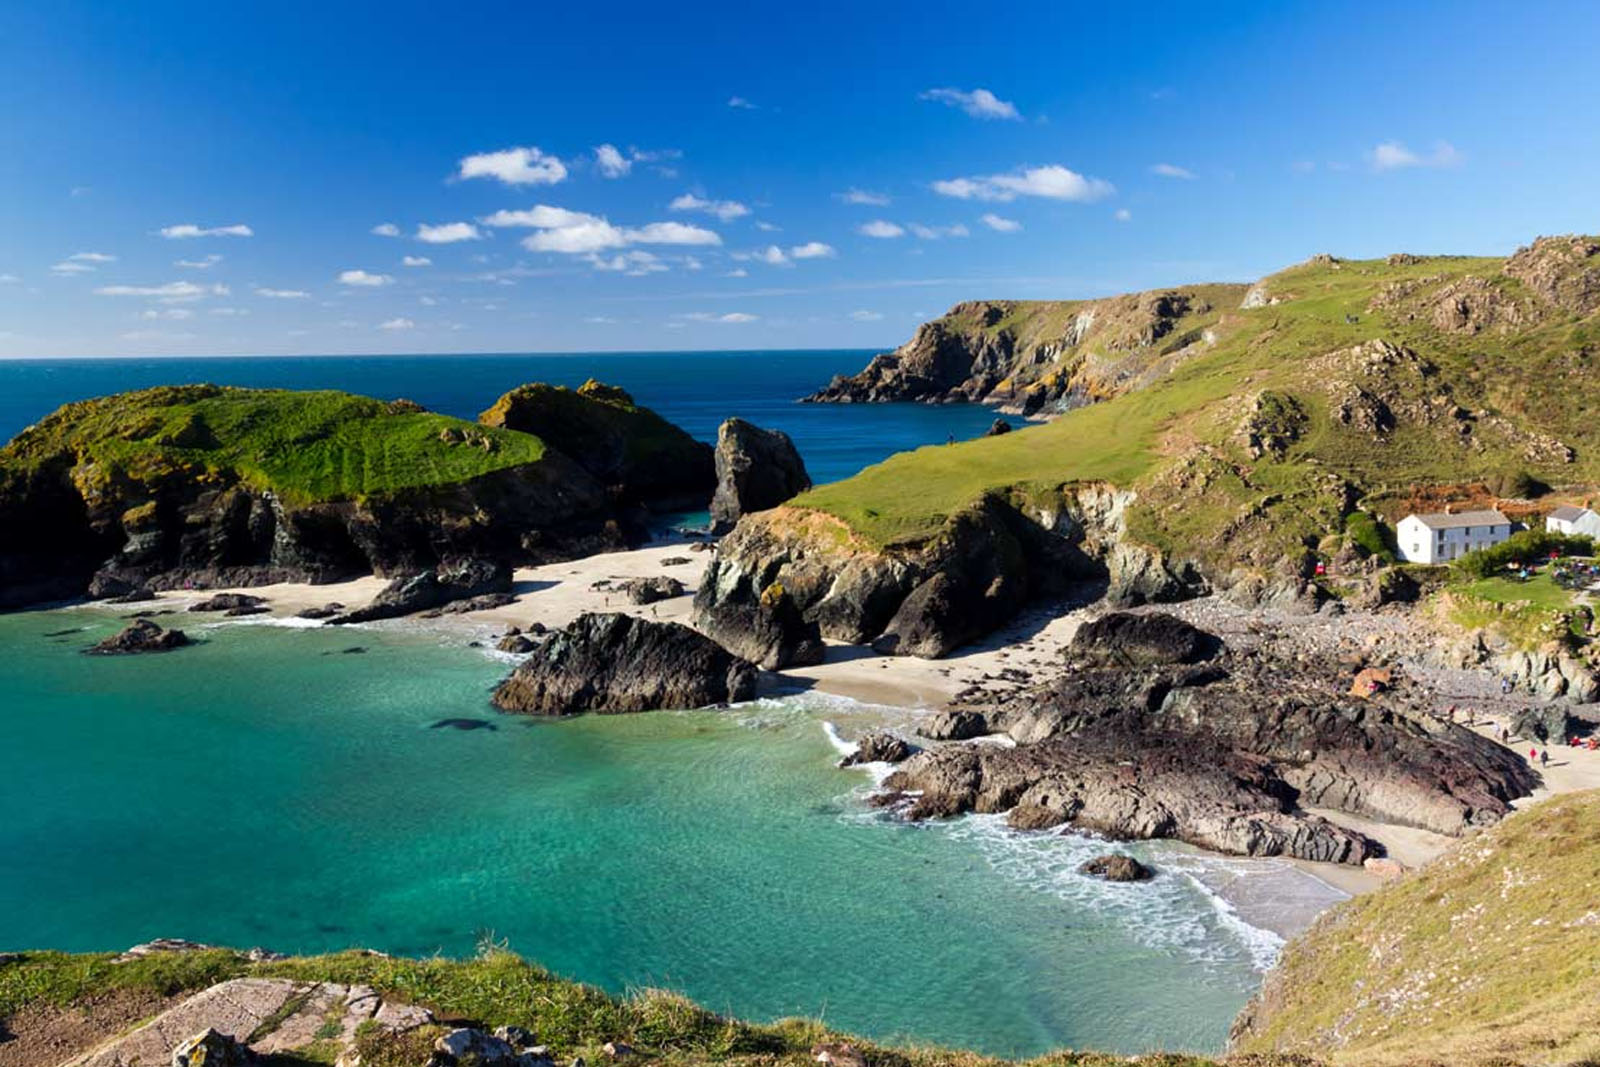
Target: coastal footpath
1487	957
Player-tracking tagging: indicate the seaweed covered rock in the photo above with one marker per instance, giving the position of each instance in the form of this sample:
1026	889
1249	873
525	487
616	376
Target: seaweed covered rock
616	663
635	453
756	469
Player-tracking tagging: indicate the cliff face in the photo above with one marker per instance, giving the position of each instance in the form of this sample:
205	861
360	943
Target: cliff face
1041	356
202	486
1489	955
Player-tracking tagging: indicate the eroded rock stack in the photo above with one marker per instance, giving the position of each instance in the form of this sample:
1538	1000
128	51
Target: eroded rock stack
756	469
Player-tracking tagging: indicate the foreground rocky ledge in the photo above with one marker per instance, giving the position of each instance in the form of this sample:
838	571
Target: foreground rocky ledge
1158	731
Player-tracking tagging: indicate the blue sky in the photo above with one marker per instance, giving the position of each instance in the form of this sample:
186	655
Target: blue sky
190	179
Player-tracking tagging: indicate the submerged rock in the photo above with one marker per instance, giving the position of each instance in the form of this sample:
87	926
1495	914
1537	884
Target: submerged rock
1117	868
756	470
141	635
463	724
616	663
461	580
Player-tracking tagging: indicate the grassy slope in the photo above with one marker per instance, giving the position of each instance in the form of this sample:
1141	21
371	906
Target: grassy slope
1491	955
497	988
1193	410
306	446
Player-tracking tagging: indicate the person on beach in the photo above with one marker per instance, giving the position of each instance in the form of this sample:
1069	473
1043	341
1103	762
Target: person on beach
1544	758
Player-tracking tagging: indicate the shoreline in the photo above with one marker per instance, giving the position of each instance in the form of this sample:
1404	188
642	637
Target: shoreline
557	593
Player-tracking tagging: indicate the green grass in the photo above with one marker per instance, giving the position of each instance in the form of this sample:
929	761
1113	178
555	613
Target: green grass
1540	591
1175	433
497	988
306	446
1487	956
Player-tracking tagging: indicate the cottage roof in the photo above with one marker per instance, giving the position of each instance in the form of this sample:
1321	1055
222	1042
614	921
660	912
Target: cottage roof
1444	520
1568	513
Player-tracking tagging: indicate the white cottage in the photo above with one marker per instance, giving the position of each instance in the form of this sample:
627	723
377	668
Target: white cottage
1571	520
1444	536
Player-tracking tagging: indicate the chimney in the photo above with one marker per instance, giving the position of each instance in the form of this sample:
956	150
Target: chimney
1449	509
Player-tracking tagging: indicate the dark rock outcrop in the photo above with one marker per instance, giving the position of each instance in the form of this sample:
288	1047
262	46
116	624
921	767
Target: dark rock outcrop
516	644
650	590
1226	754
880	746
1546	723
1128	639
635	453
141	635
231	603
772	631
998	427
1117	867
326	611
954	724
616	663
458	580
756	469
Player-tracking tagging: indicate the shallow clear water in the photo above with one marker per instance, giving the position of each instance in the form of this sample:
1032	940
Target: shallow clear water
265	787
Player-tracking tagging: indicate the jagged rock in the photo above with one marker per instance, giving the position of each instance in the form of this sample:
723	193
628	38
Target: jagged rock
516	644
1126	639
460	580
954	725
141	635
676	561
136	595
617	1050
635	453
232	603
650	590
838	1054
327	611
1548	723
617	663
1117	868
880	746
508	1046
756	470
771	632
211	1049
998	427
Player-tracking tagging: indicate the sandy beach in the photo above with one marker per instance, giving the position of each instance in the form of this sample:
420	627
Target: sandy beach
557	593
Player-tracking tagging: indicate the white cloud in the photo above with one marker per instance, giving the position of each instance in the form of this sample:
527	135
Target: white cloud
447	233
386	229
170	293
729	317
880	228
636	263
514	166
813	250
771	255
739	103
933	233
1053	182
188	229
863	196
767	227
737	272
288	294
1122	214
726	210
363	279
397	324
1171	170
9	279
173	314
600	320
866	316
416	261
1392	155
579	233
67	267
204	263
1003	225
156	336
979	103
612	163
92	257
229	312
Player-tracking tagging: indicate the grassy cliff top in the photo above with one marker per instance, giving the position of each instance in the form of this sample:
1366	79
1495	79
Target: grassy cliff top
1490	955
306	446
1385	373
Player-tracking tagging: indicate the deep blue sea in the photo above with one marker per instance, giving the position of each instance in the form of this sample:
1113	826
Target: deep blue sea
262	787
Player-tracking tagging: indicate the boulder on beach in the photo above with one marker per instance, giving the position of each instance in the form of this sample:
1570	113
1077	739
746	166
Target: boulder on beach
141	635
326	611
610	663
1117	867
1133	639
232	603
516	644
459	580
756	469
650	590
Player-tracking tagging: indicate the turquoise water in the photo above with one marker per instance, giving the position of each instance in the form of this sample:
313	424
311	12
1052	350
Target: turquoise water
267	788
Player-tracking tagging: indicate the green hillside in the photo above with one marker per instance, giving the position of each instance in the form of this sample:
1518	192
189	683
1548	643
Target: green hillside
1346	381
306	446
